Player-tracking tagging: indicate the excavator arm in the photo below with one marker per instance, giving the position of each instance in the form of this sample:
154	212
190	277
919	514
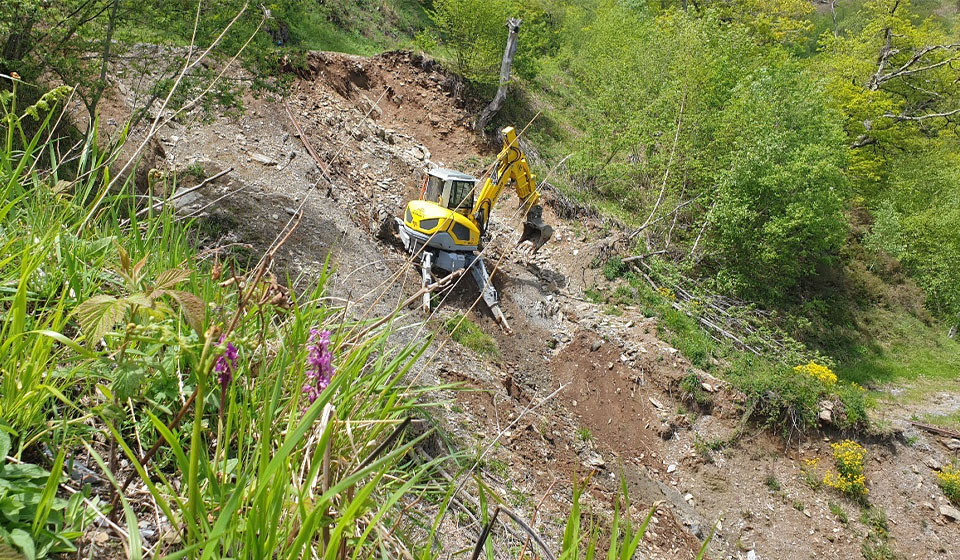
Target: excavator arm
512	167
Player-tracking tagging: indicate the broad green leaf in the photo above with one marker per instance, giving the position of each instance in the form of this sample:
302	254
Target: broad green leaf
127	380
137	299
98	315
4	445
168	279
22	540
24	470
193	308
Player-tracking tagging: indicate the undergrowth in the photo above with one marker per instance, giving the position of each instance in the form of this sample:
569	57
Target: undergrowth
784	390
259	421
469	334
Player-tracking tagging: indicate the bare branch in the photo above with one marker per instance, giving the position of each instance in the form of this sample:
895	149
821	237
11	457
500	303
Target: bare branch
918	118
863	140
906	69
666	173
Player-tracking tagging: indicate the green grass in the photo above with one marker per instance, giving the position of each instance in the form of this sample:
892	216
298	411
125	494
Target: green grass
109	326
921	352
838	512
950	421
363	27
359	27
469	334
772	483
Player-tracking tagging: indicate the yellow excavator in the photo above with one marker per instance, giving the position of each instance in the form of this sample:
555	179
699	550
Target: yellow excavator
445	229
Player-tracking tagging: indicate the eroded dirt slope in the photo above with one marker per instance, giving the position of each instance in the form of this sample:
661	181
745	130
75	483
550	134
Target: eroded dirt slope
575	390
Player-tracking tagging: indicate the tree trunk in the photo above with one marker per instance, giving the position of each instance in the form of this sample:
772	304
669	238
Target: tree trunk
18	43
513	24
101	84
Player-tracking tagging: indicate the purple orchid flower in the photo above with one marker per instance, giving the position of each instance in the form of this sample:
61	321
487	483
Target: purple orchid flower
226	364
319	364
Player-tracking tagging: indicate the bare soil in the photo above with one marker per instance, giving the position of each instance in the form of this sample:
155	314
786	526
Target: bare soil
577	392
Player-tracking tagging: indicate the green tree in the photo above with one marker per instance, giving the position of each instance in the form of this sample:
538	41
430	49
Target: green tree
916	221
778	212
72	40
895	79
474	31
693	126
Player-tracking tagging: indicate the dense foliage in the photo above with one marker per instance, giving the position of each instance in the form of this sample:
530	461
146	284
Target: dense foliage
740	136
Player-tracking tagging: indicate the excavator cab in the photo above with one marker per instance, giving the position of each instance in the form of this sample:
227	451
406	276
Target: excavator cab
450	189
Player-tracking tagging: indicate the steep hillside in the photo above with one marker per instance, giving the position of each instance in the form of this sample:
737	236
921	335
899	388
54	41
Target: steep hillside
582	388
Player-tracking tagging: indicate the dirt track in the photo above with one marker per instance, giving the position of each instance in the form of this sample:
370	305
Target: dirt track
619	409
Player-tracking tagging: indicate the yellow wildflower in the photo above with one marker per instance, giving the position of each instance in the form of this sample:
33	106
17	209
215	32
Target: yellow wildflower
667	293
949	479
815	370
849	457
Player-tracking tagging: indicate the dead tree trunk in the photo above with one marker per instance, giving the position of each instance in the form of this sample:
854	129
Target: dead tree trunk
513	24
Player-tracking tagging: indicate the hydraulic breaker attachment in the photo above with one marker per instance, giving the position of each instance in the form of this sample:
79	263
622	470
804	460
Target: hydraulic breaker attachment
535	232
490	296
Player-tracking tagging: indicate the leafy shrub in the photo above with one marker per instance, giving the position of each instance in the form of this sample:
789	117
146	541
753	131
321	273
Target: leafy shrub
615	268
692	387
853	412
779	397
32	518
687	337
789	398
838	512
779	200
474	31
849	457
772	483
876	545
949	480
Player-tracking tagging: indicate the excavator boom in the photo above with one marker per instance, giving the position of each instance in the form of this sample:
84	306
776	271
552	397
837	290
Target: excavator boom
512	167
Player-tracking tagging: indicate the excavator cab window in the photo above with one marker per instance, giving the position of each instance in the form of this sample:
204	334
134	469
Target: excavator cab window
434	189
461	195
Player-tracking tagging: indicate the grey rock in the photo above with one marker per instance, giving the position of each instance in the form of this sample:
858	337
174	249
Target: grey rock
595	460
696	530
265	160
950	512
